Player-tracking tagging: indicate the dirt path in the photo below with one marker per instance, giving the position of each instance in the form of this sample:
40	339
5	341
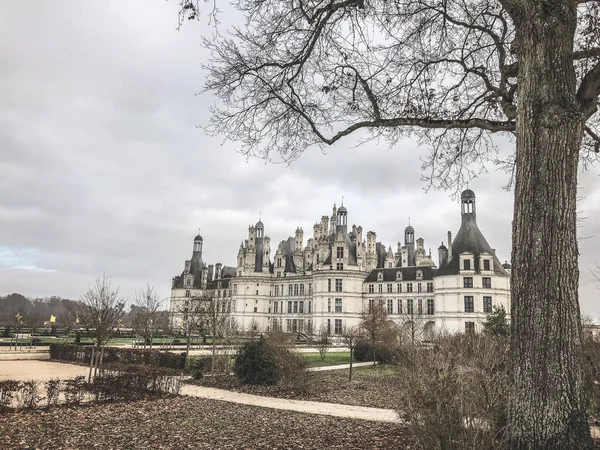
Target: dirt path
327	409
39	370
339	366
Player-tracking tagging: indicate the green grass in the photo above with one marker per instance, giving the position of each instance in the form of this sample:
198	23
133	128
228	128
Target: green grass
331	359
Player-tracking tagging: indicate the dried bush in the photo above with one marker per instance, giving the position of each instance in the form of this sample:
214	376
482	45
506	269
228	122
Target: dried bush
8	390
28	394
384	352
75	390
591	351
454	394
53	388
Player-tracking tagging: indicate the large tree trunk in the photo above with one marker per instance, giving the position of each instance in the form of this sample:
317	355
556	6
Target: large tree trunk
548	408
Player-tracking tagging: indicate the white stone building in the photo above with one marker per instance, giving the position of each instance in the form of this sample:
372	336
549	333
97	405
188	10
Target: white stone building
337	273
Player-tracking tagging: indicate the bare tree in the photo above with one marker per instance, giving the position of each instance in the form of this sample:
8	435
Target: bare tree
254	329
451	73
350	337
192	312
145	315
323	341
218	320
374	322
413	321
99	311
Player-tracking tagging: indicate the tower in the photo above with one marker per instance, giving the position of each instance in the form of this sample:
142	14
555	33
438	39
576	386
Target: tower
409	242
198	241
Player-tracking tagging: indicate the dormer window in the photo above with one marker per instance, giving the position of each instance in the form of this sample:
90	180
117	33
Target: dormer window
486	264
399	276
467	264
419	274
379	276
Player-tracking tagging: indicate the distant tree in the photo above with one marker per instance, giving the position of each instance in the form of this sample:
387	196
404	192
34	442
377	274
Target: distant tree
145	315
218	320
323	341
192	311
496	323
374	320
254	329
100	310
350	337
413	321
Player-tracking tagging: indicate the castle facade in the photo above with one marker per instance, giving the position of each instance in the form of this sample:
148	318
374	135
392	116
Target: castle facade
333	277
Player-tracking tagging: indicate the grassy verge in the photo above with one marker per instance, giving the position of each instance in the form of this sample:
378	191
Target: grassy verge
331	359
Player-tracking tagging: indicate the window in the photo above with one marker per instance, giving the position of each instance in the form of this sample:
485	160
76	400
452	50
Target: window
430	307
338	326
399	306
310	307
381	302
289	307
430	286
380	276
338	285
487	282
420	307
187	293
234	289
188	282
276	290
419	275
340	252
255	309
339	266
389	288
275	307
468	282
371	289
409	307
469	304
487	305
295	289
380	288
371	304
467	264
278	262
309	289
399	276
409	287
278	274
329	325
328	305
301	307
419	287
329	285
257	292
390	306
302	289
399	286
295	306
338	305
290	289
470	327
486	264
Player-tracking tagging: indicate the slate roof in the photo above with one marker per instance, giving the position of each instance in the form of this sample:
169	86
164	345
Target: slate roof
408	274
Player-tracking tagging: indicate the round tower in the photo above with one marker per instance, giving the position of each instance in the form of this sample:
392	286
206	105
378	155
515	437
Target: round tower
467	200
198	244
260	229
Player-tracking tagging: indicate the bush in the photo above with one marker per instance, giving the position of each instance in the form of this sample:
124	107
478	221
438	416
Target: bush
591	351
383	353
8	389
197	365
256	363
52	392
75	389
454	395
363	351
27	395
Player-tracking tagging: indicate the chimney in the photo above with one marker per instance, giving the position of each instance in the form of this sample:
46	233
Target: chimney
449	245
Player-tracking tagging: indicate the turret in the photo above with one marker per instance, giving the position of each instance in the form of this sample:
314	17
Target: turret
409	242
299	239
218	269
211	271
198	244
442	255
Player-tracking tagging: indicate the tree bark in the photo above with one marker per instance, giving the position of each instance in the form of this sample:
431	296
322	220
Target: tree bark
547	404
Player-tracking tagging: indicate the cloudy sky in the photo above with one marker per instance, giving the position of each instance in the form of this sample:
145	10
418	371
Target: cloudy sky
102	167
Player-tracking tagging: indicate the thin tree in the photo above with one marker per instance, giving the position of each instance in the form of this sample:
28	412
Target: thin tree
451	73
217	316
192	312
145	315
373	320
350	337
99	311
323	341
413	321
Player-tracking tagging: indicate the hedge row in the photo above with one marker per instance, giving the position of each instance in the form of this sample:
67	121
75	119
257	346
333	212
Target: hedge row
143	382
116	355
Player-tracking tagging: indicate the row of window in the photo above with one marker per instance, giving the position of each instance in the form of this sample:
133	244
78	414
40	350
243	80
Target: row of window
470	304
293	307
408	309
467	264
293	289
419	275
224	293
486	282
408	287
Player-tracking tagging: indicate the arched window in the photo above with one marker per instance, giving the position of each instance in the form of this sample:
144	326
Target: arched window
295	289
290	289
302	289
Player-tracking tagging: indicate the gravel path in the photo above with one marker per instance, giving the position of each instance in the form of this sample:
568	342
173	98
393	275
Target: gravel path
327	409
39	370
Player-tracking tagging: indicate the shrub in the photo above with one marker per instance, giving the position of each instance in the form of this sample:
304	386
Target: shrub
75	389
591	351
256	363
8	389
27	396
383	353
52	391
363	352
454	395
197	365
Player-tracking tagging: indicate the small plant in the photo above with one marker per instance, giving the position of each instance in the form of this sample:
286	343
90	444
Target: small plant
52	392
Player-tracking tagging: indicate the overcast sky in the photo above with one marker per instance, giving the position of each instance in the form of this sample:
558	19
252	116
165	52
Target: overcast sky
102	168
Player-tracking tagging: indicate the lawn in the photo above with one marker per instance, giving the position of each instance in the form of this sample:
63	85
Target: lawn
191	423
331	359
373	386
